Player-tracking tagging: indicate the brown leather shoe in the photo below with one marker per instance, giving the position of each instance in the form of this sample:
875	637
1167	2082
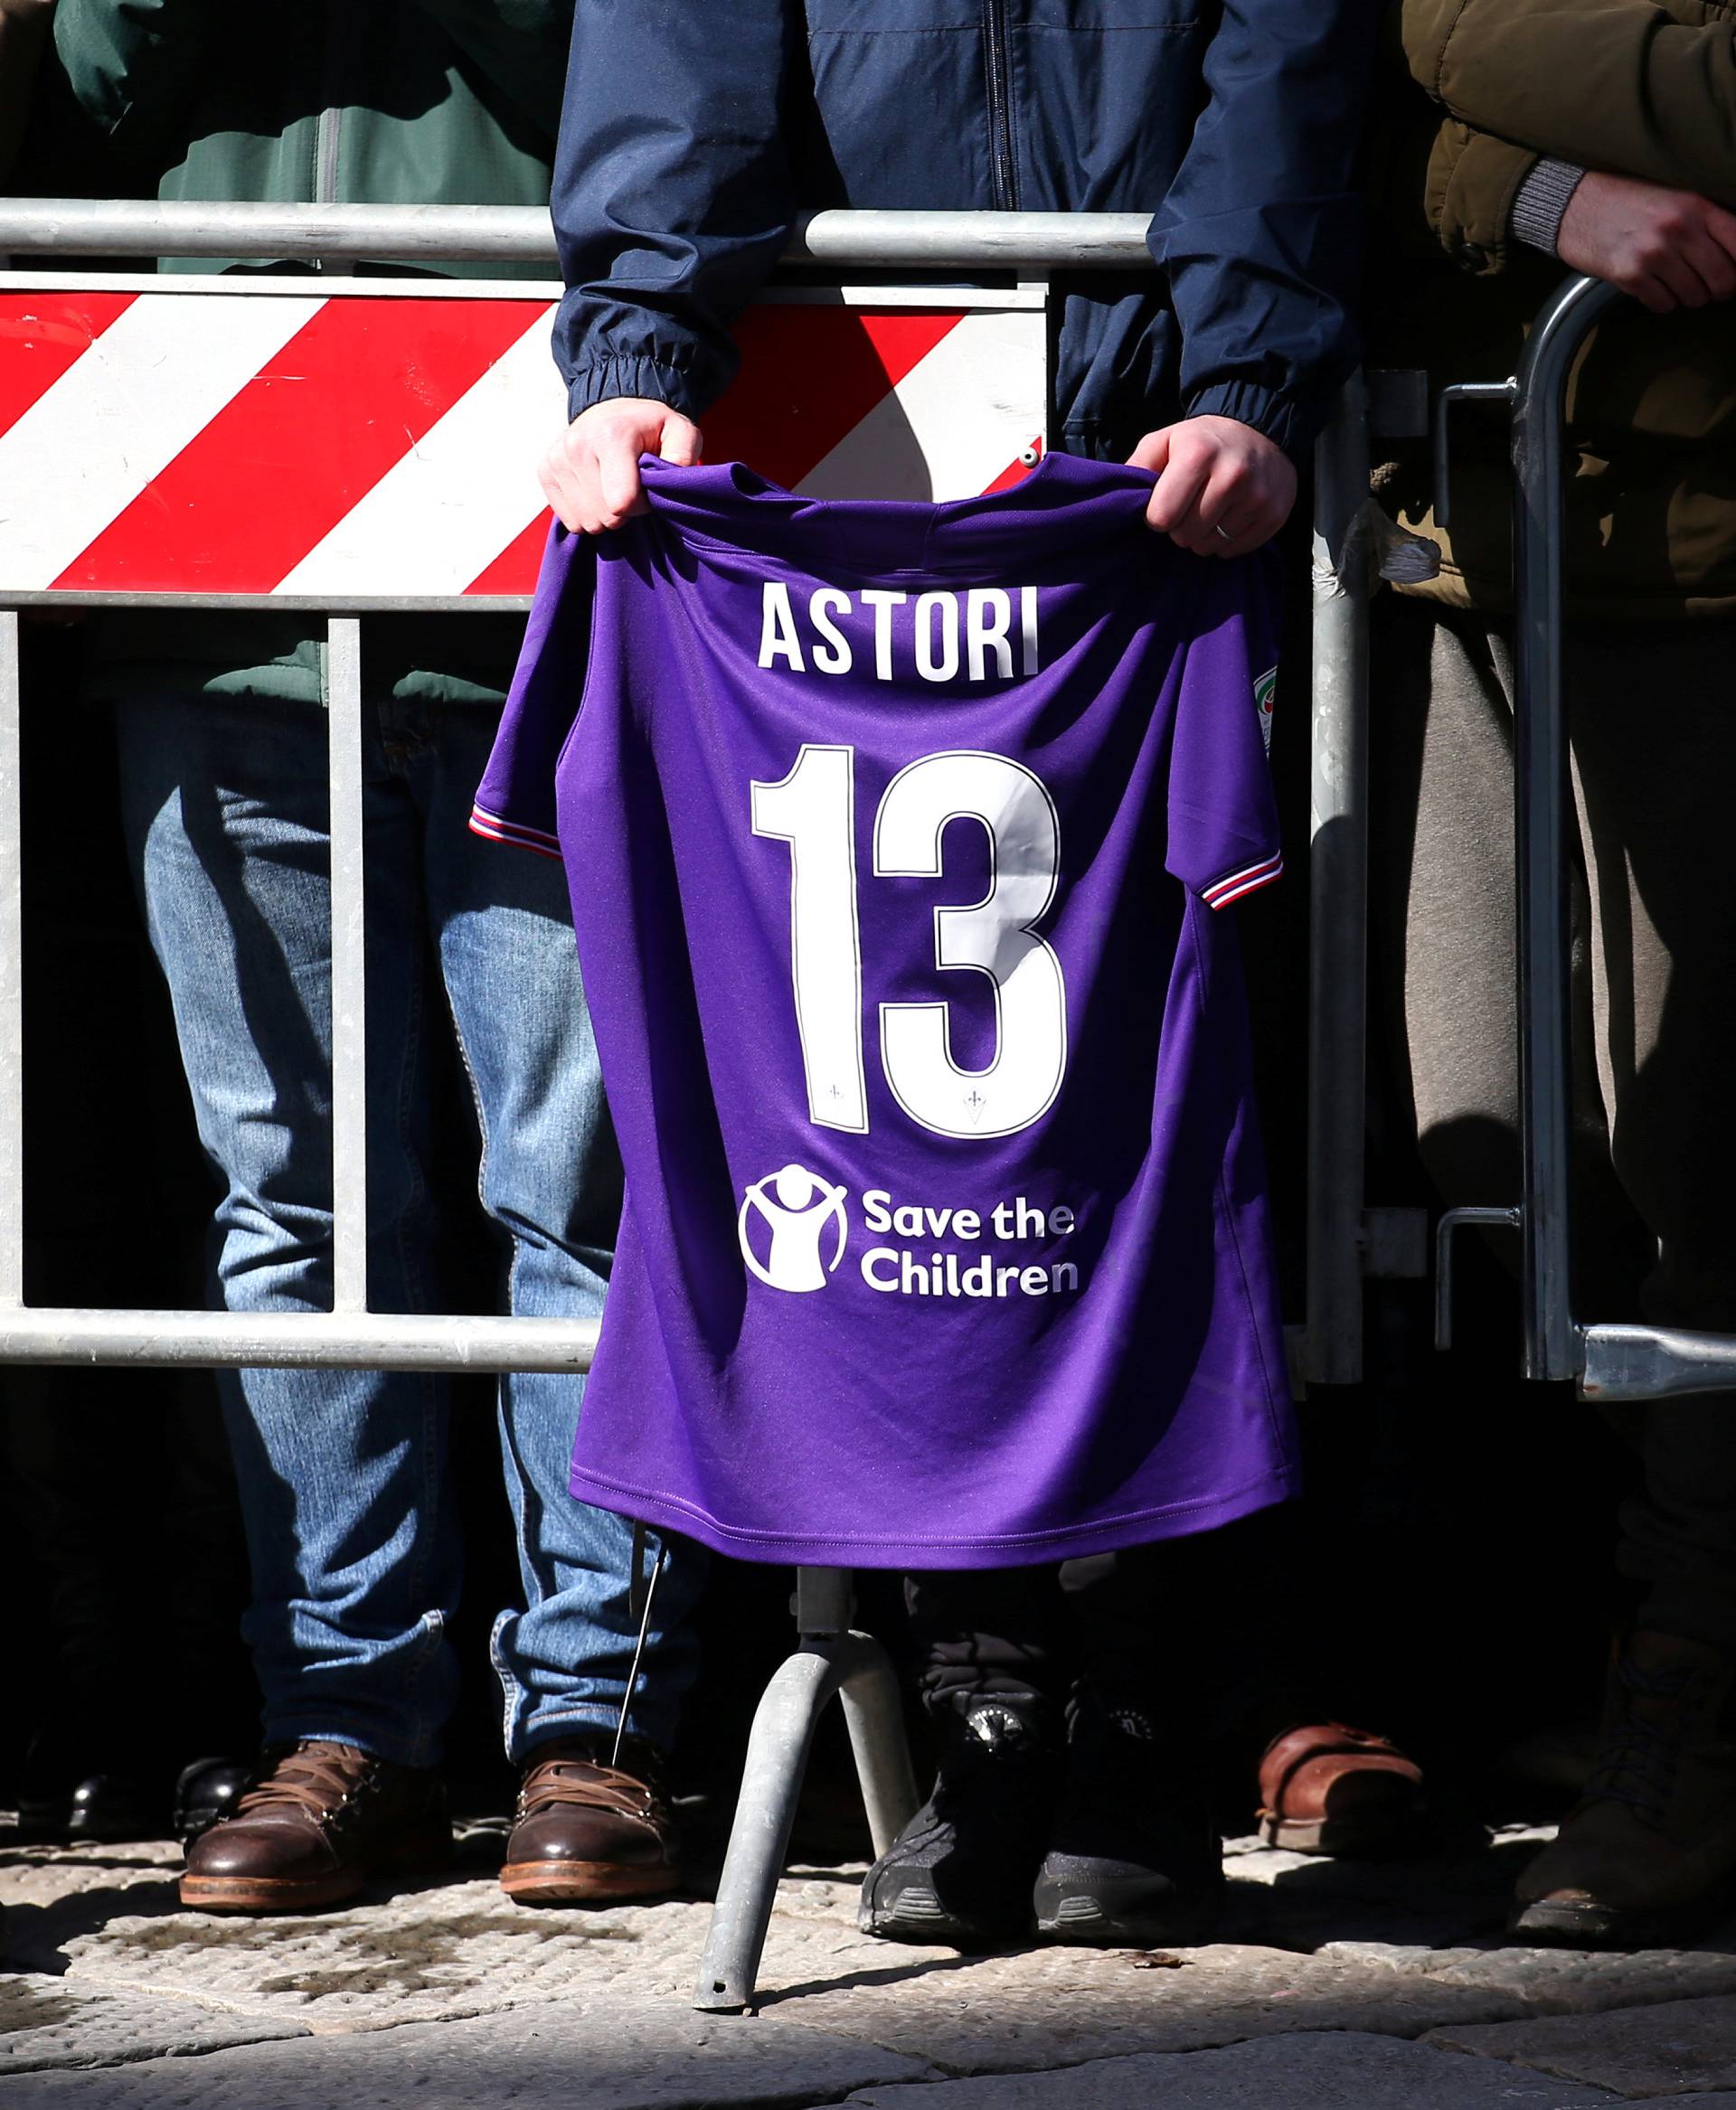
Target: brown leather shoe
586	1832
1648	1853
1326	1788
318	1825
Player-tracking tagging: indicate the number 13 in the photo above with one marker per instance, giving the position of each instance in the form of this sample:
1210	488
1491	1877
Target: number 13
813	809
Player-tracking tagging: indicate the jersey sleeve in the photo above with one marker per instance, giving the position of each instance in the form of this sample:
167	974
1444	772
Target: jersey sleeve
515	802
1223	839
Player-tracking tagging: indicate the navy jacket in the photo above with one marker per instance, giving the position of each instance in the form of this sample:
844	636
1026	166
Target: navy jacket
695	131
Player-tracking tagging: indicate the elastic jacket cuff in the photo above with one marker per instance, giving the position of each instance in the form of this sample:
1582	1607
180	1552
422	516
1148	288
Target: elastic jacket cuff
651	378
1279	417
1540	204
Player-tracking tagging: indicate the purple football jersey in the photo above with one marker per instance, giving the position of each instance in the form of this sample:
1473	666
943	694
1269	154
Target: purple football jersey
894	835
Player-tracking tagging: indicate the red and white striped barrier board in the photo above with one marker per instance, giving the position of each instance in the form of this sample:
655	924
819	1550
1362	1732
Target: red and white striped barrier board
344	443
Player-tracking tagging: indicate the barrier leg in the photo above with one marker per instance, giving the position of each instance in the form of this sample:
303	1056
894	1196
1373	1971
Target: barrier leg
1541	807
783	1733
349	972
831	1660
874	1715
1338	901
12	975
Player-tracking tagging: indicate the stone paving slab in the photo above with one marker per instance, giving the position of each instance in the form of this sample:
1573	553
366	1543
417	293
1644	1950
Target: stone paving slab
1322	2072
39	1879
591	2055
441	1950
1446	1917
1570	1981
461	1949
45	2022
1276	1899
1053	2007
1395	1950
457	1948
1455	1898
1675	2047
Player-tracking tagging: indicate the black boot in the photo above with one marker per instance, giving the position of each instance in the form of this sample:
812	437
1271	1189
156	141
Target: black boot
206	1793
1134	1859
80	1784
1648	1855
960	1871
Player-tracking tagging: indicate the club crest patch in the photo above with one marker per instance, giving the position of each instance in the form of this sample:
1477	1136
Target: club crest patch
1265	698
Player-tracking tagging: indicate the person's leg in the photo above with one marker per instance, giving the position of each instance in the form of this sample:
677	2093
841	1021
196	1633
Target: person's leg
1444	922
551	1183
997	1665
1650	1850
340	1473
1657	780
990	1634
1134	1854
588	1730
1443	745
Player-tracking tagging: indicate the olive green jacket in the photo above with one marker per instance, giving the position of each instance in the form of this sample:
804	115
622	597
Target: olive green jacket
1479	89
358	101
353	101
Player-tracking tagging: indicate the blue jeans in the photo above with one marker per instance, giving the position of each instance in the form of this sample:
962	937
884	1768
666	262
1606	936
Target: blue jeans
343	1474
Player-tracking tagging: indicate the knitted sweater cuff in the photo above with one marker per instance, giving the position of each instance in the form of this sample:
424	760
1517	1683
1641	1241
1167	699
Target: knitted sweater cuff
1541	201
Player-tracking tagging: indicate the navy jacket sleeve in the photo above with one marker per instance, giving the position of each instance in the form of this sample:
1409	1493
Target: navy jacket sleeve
673	197
1261	233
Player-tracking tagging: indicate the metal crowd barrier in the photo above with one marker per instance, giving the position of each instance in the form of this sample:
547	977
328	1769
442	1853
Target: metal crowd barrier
1346	1241
1605	1361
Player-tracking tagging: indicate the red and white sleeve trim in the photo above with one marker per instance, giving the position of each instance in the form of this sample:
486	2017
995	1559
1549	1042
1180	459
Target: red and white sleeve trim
498	829
1235	884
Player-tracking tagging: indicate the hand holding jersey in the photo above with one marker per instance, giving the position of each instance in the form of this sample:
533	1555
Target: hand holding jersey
590	475
1223	490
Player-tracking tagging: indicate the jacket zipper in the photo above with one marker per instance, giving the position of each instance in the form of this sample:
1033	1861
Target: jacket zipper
997	65
325	141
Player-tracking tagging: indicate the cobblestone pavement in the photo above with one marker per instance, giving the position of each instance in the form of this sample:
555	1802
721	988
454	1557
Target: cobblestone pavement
1340	1988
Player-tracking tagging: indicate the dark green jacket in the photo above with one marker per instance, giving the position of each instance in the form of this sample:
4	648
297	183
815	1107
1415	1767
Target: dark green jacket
351	101
1477	89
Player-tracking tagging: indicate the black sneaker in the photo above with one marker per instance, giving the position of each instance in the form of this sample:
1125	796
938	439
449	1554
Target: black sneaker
960	1871
1134	1859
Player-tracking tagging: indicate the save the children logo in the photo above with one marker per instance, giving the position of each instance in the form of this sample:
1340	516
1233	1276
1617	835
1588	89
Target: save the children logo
786	1216
793	1229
